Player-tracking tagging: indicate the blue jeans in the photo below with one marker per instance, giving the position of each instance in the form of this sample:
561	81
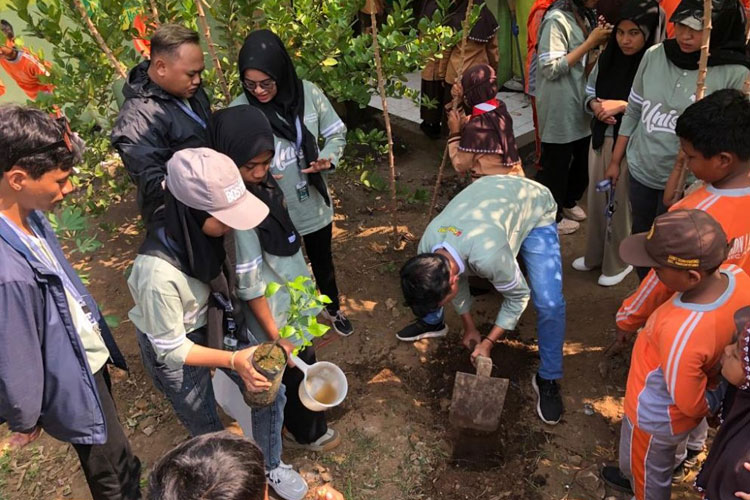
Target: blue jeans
191	394
540	252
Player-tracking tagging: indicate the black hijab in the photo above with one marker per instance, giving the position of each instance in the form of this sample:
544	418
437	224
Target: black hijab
242	133
727	34
482	31
178	238
263	51
723	472
616	70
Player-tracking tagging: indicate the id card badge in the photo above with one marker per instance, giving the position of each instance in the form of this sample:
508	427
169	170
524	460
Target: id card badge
303	192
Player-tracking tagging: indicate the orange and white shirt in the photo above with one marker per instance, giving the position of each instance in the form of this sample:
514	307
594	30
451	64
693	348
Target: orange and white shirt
676	358
26	69
729	207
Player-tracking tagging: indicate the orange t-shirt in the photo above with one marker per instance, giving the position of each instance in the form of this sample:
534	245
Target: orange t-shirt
676	358
25	69
724	205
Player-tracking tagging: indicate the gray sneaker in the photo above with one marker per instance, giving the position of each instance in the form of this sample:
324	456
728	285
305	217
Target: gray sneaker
286	482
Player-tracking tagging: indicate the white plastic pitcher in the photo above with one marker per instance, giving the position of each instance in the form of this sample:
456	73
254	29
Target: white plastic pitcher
321	379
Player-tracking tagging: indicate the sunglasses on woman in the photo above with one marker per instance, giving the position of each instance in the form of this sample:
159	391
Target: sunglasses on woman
267	84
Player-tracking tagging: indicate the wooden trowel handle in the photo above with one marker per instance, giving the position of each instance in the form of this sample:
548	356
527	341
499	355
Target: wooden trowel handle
484	366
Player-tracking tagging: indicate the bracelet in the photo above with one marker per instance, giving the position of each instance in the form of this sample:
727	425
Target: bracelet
493	342
231	360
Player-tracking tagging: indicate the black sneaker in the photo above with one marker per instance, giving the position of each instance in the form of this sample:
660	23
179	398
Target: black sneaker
691	460
613	476
548	401
340	323
421	330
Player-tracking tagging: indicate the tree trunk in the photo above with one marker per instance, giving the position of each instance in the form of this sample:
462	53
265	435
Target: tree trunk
387	119
455	103
699	91
212	51
117	65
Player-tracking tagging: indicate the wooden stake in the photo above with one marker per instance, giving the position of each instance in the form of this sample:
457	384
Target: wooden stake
387	119
699	93
117	65
154	11
746	87
456	101
212	51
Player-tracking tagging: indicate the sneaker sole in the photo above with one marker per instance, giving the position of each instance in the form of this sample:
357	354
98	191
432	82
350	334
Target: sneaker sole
539	403
574	218
426	335
290	442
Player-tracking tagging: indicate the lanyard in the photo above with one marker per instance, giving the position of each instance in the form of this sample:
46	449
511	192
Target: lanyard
47	257
298	144
192	114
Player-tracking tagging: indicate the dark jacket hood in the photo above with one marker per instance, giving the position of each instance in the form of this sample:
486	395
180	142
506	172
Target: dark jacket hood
140	85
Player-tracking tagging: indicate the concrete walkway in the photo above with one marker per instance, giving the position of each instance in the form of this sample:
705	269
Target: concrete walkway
518	106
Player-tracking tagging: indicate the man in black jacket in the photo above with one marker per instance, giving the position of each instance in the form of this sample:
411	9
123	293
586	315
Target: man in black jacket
165	110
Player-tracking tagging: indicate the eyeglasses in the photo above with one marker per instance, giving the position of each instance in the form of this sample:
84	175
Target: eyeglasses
267	84
65	140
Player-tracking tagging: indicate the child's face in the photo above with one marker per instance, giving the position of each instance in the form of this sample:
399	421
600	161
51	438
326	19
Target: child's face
215	228
710	169
629	37
687	38
679	280
732	367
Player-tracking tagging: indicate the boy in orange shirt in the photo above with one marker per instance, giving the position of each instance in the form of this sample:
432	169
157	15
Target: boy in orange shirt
672	383
713	133
23	66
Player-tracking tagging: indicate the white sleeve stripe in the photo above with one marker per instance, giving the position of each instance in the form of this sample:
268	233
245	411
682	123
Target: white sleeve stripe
510	285
167	344
332	128
249	266
552	55
635	97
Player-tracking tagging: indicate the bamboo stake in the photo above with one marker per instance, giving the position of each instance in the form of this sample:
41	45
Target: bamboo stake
154	11
464	38
212	51
746	87
117	65
699	93
387	119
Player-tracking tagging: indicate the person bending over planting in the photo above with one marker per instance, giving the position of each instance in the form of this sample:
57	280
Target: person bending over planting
481	232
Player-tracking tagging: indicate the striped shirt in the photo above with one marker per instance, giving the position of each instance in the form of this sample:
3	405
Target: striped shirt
676	356
483	228
26	69
724	205
324	124
560	88
660	93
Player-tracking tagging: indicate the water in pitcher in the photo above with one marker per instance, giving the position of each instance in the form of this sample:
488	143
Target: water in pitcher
323	391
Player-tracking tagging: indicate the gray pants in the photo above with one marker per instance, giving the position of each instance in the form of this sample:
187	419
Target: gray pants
603	244
649	460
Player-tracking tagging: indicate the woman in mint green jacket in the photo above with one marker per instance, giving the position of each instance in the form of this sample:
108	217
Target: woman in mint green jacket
300	115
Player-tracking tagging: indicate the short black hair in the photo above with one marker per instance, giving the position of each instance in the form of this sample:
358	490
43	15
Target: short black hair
718	123
26	129
425	282
7	29
214	466
168	38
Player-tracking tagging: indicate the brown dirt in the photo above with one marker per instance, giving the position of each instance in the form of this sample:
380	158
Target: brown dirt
397	443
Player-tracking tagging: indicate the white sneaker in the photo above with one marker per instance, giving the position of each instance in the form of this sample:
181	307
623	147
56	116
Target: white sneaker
286	482
613	280
580	264
567	226
576	213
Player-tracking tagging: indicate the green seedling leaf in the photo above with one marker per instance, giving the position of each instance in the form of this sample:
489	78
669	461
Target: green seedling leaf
272	288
